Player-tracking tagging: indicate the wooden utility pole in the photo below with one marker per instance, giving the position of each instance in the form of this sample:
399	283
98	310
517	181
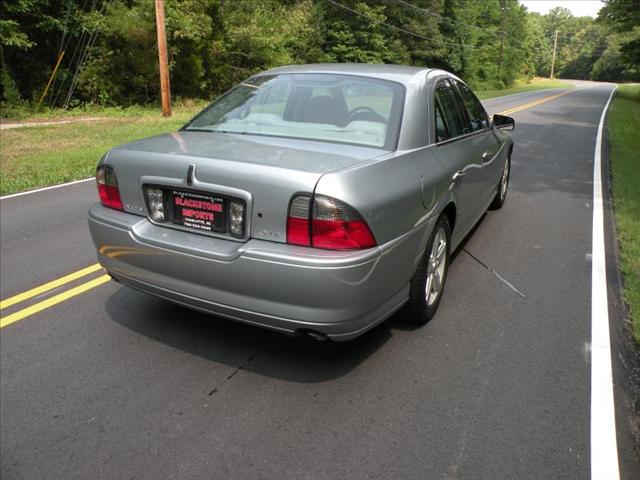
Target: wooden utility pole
553	59
165	88
500	53
502	34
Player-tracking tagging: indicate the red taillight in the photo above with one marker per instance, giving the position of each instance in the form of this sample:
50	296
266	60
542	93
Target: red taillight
334	225
337	226
342	235
108	188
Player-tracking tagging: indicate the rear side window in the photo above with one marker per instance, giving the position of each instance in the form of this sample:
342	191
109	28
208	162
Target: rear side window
475	110
448	109
274	99
442	132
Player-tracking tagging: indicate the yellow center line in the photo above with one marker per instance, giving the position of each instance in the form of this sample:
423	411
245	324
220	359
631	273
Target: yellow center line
21	297
534	103
59	298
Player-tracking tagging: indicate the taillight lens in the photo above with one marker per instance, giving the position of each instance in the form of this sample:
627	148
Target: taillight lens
337	226
108	187
155	200
298	221
334	225
236	215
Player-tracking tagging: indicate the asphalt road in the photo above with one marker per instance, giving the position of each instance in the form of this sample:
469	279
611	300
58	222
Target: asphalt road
116	384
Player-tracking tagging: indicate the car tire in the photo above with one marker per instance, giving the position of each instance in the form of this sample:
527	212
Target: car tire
503	186
425	293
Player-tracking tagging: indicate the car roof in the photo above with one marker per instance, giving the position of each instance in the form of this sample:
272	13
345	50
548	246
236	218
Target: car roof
398	73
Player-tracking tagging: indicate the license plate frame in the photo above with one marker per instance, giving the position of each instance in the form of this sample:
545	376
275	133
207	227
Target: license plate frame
195	211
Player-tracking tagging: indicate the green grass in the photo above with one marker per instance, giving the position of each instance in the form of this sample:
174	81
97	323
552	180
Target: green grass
623	126
33	157
524	86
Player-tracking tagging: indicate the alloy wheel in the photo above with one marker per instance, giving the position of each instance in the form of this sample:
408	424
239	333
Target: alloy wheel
504	183
436	269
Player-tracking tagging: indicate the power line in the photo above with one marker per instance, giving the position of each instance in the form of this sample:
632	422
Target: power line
62	45
79	48
379	21
599	49
408	32
441	17
92	40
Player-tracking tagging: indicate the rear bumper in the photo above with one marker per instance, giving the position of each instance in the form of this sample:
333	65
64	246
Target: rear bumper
283	287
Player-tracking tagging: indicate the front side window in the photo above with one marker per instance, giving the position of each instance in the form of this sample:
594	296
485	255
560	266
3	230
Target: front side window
475	110
326	107
447	107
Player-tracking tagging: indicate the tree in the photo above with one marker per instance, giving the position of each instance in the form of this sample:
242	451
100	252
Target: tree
623	17
111	53
609	67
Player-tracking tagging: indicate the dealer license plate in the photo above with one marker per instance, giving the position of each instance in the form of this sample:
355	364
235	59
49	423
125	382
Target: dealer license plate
199	211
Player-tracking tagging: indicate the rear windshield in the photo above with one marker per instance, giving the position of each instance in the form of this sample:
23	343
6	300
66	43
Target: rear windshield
326	107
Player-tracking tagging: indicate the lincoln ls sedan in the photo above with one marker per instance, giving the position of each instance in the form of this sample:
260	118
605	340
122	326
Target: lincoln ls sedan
313	200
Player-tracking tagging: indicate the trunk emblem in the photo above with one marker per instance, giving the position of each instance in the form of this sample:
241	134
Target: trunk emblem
190	174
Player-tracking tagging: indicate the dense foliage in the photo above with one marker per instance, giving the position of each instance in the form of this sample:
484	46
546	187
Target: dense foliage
110	54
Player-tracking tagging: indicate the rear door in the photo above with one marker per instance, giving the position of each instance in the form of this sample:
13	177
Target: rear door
459	151
484	139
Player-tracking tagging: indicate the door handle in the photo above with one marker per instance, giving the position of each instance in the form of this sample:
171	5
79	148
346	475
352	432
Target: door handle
486	157
458	175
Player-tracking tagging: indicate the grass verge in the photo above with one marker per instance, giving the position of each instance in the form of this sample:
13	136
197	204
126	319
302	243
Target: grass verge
623	125
524	86
47	114
47	155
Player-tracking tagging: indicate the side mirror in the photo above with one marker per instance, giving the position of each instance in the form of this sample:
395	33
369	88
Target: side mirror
503	122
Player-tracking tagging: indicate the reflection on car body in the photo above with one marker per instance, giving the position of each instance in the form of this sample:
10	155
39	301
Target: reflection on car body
311	199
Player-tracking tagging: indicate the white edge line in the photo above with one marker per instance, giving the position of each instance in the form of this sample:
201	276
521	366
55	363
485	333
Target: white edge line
604	449
19	194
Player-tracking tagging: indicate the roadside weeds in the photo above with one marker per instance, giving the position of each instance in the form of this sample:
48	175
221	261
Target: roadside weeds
624	144
522	86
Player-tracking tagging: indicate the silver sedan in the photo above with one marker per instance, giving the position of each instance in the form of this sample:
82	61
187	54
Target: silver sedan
314	200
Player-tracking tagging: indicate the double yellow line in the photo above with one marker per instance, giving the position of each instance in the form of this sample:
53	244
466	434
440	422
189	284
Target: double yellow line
46	287
534	103
67	294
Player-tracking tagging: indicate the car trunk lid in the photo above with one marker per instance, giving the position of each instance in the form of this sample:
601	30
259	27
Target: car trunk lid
266	171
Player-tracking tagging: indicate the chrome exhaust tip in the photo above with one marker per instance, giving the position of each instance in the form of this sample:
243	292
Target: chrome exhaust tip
319	336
